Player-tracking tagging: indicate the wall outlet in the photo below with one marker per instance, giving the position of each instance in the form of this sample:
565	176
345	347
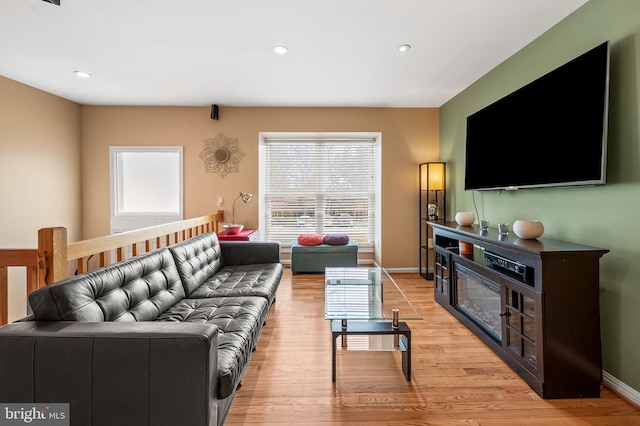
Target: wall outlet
220	201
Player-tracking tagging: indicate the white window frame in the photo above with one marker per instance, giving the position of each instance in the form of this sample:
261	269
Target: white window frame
376	136
122	221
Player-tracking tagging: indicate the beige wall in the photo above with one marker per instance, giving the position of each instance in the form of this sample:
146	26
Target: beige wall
40	171
409	136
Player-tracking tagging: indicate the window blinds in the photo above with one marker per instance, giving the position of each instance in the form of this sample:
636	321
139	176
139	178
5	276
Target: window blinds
319	186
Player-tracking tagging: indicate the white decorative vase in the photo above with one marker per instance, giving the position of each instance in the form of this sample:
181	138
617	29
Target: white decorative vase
528	229
465	218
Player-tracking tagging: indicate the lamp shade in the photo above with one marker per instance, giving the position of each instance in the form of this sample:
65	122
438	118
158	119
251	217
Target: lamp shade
245	197
435	173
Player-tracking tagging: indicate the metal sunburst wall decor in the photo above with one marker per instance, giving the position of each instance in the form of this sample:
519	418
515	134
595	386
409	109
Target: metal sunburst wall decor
221	155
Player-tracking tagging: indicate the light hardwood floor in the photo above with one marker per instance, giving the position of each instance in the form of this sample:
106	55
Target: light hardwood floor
456	379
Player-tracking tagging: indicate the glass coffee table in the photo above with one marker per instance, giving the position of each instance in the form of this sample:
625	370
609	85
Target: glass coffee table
367	302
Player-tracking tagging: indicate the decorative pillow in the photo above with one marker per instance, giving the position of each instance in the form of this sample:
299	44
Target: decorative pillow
336	239
310	239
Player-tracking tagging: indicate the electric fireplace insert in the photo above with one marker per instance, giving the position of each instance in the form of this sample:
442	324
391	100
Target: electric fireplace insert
479	299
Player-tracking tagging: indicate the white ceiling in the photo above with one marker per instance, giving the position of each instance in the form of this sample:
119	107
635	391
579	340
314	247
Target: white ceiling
342	53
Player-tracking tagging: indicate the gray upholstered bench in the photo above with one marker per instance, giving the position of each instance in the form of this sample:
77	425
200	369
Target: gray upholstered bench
315	258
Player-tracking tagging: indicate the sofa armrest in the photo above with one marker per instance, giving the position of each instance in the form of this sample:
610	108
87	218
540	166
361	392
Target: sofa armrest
113	372
250	252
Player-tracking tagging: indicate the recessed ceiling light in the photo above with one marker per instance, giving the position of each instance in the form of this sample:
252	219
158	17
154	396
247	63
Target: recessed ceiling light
82	74
403	48
280	50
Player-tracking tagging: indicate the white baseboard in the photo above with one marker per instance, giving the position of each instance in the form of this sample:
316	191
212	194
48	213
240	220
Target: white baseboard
369	262
401	270
621	388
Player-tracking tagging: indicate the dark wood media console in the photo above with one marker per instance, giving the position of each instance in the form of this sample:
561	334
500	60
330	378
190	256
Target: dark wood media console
534	302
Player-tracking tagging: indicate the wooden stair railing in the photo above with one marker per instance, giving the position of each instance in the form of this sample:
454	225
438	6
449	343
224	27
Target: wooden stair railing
27	258
55	259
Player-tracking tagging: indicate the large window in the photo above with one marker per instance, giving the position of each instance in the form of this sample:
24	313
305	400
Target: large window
319	184
146	186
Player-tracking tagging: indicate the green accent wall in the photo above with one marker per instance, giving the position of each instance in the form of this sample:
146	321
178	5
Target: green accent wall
606	216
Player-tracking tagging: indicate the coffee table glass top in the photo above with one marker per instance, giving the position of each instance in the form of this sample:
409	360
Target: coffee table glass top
364	294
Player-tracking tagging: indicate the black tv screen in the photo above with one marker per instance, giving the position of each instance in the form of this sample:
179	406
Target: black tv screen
551	132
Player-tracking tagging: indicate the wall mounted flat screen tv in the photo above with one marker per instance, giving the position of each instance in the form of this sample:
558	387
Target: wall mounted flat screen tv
551	132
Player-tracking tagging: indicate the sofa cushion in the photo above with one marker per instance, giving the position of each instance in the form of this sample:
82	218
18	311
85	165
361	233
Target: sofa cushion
336	239
197	259
310	239
136	289
239	321
242	280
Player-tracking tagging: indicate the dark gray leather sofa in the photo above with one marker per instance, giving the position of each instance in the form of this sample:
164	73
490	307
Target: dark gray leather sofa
159	339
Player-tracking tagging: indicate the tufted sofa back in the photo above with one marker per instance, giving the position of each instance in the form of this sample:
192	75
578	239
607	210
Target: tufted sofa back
197	259
137	289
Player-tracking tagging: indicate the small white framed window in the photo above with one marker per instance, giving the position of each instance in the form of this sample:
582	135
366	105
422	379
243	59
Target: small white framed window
146	186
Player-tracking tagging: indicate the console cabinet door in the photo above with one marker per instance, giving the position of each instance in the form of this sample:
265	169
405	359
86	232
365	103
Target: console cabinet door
522	326
441	279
